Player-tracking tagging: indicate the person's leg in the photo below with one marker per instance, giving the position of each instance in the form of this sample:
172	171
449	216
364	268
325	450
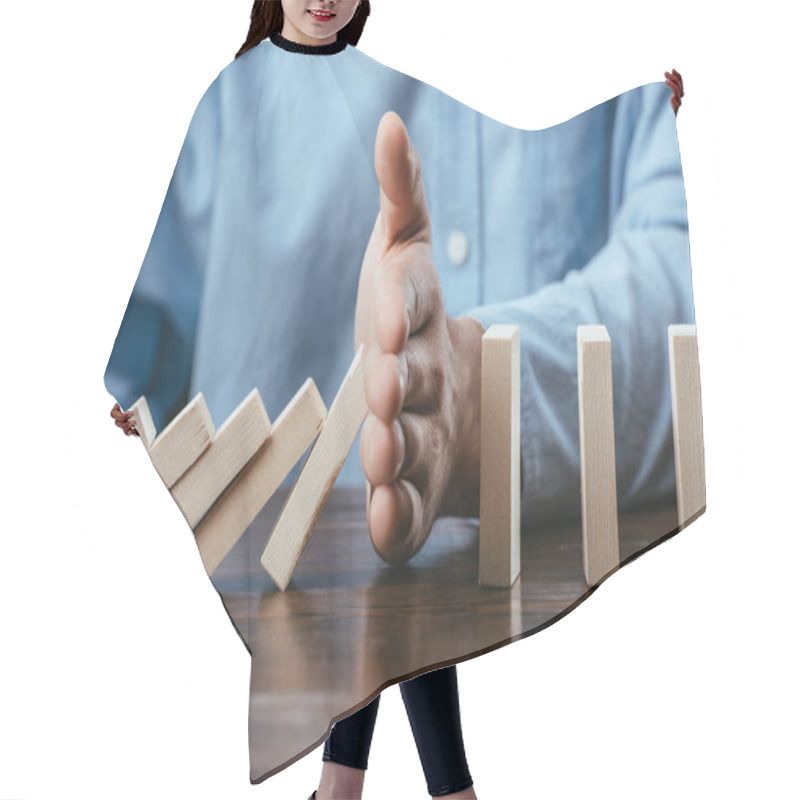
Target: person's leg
433	711
345	755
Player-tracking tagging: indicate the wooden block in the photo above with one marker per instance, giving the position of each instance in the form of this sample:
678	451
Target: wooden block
144	421
687	422
292	433
183	441
499	557
234	444
598	463
308	496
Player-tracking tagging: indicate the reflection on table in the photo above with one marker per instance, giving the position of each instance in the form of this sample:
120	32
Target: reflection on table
349	624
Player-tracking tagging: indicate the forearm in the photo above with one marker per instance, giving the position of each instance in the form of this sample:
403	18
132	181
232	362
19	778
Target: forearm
628	213
154	348
636	286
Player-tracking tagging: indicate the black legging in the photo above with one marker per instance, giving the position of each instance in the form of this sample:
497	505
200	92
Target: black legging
432	707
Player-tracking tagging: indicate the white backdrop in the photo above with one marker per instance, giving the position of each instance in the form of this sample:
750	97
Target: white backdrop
120	674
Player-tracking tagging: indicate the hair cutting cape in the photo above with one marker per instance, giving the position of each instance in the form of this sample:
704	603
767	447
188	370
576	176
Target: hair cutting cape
250	282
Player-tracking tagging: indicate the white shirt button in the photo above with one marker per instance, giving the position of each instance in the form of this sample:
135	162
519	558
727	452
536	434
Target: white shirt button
457	248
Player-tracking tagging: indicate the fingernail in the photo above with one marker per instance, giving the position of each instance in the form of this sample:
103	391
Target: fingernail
402	372
401	448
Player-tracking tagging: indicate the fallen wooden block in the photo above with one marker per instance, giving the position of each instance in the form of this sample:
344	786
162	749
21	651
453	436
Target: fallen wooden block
598	463
314	485
183	441
687	422
292	433
233	445
144	421
499	550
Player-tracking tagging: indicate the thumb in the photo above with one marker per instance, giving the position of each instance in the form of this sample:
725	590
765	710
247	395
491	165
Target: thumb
404	210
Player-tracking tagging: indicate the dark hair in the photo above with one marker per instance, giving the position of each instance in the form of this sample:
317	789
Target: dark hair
266	19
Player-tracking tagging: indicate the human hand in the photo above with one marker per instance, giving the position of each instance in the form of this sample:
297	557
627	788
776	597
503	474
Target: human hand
675	82
124	420
420	445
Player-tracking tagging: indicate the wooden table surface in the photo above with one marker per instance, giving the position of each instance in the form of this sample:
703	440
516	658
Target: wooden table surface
349	624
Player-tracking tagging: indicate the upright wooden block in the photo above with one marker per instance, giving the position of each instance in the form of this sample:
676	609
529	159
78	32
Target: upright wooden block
183	441
292	433
499	557
308	496
144	422
687	422
598	463
234	444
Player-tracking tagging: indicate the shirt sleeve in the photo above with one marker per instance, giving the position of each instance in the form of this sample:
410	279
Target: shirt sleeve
636	285
153	351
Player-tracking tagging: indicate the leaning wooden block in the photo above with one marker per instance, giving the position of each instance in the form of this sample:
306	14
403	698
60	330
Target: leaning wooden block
183	441
308	496
598	463
499	557
292	433
144	422
687	422
234	444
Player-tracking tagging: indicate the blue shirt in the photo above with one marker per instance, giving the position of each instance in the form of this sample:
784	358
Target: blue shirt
251	275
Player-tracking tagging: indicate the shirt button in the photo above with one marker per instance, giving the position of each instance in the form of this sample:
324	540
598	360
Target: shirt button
457	248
